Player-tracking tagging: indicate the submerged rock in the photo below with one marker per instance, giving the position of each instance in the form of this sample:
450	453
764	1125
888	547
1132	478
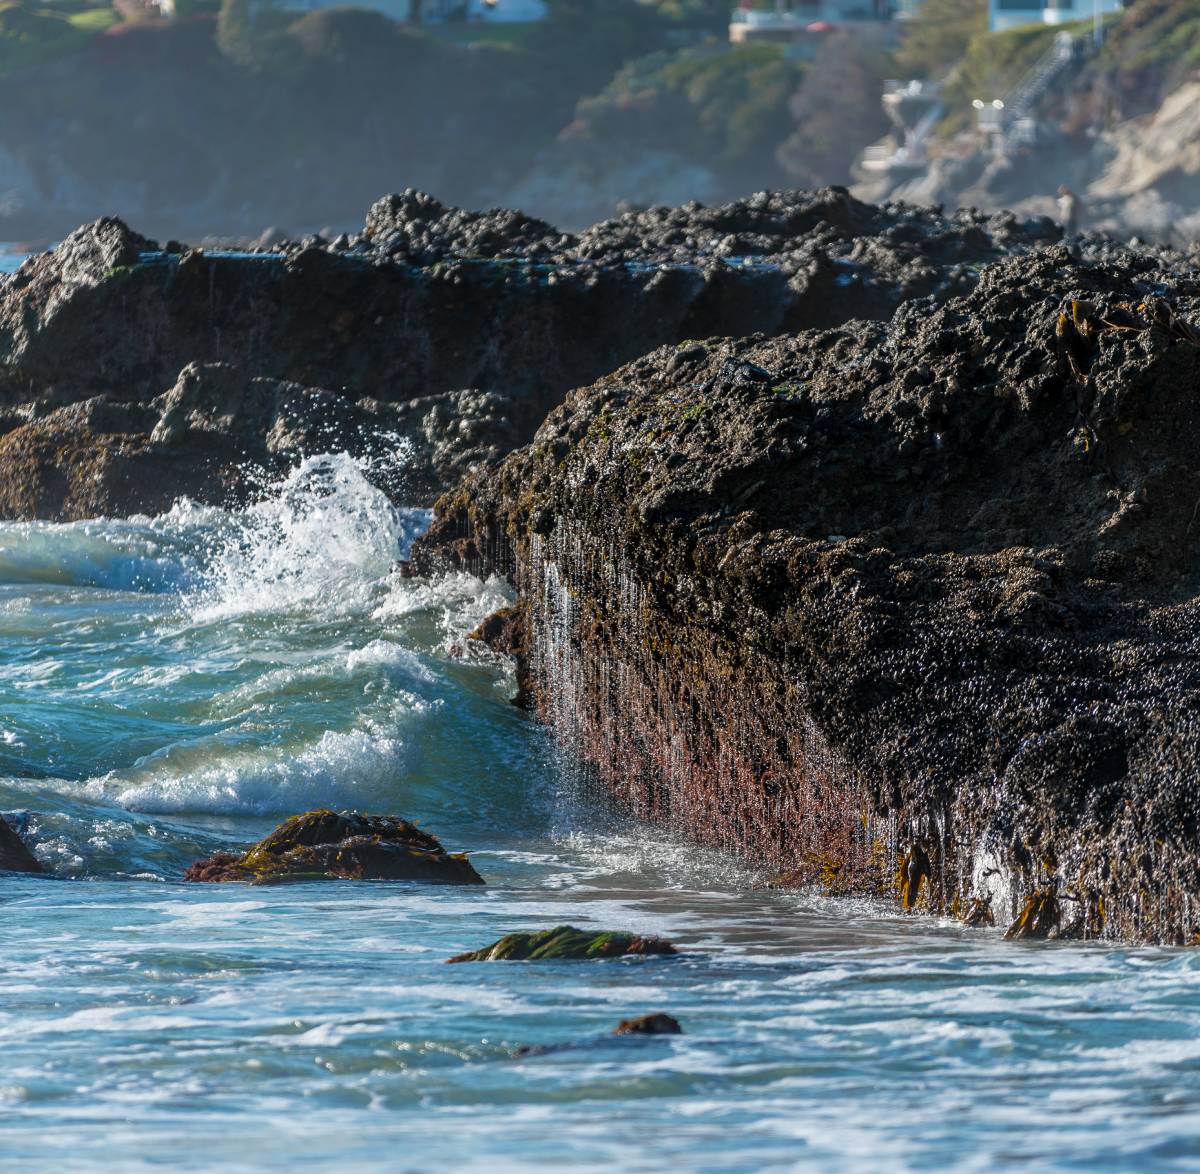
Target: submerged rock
914	606
565	942
348	846
14	856
657	1024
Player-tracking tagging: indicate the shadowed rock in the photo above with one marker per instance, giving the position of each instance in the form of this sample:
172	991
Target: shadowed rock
14	856
657	1024
348	846
506	632
565	942
453	331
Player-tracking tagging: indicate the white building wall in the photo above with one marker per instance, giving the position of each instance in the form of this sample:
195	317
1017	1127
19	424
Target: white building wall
1012	14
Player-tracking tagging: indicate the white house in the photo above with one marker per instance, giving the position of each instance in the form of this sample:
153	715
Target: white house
492	11
1011	14
435	11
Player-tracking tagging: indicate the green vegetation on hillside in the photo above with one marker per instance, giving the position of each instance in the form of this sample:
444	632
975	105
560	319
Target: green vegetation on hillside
1152	48
726	107
993	64
31	35
936	39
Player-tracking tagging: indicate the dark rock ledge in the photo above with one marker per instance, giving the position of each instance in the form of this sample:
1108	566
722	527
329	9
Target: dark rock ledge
133	372
906	608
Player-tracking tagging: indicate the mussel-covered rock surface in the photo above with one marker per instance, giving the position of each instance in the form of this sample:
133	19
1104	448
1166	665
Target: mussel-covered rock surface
905	607
133	371
321	845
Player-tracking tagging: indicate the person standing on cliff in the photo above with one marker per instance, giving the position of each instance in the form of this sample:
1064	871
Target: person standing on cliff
1070	210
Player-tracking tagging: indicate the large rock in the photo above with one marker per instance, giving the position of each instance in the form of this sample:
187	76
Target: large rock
14	856
324	845
450	331
906	608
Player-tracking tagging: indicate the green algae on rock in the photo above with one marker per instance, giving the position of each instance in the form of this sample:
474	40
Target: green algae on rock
563	943
14	856
913	605
325	844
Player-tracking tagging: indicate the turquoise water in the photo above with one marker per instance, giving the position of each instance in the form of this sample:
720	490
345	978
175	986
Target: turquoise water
10	260
173	685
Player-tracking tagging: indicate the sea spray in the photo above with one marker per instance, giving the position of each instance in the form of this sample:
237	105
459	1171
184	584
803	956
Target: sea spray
222	663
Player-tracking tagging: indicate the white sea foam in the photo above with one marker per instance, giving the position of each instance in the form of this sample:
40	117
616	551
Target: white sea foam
355	768
323	540
462	600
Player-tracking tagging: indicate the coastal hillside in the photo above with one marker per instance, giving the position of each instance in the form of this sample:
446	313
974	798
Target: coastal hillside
1114	123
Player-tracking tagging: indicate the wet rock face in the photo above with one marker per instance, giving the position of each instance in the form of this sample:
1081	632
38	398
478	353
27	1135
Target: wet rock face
217	435
453	331
14	856
908	608
347	846
565	943
506	632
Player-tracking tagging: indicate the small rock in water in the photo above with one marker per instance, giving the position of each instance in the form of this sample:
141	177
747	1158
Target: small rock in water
657	1024
14	856
325	844
565	942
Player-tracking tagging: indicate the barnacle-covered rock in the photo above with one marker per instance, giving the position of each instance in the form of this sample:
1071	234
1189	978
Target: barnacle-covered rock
348	846
908	608
565	942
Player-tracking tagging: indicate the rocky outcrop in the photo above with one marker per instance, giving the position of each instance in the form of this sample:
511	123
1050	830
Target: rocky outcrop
217	436
906	608
449	332
326	845
565	943
14	856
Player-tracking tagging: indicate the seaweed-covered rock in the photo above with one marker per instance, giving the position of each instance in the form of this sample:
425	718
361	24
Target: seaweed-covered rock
910	607
565	942
14	856
325	844
657	1024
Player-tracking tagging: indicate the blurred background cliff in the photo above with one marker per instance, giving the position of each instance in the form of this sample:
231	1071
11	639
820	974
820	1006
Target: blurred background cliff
229	117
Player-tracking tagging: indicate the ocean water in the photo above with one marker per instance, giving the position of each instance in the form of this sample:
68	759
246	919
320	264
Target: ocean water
173	685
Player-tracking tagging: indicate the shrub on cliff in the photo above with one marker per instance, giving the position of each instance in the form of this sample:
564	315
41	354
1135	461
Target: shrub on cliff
936	39
30	35
701	122
835	112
